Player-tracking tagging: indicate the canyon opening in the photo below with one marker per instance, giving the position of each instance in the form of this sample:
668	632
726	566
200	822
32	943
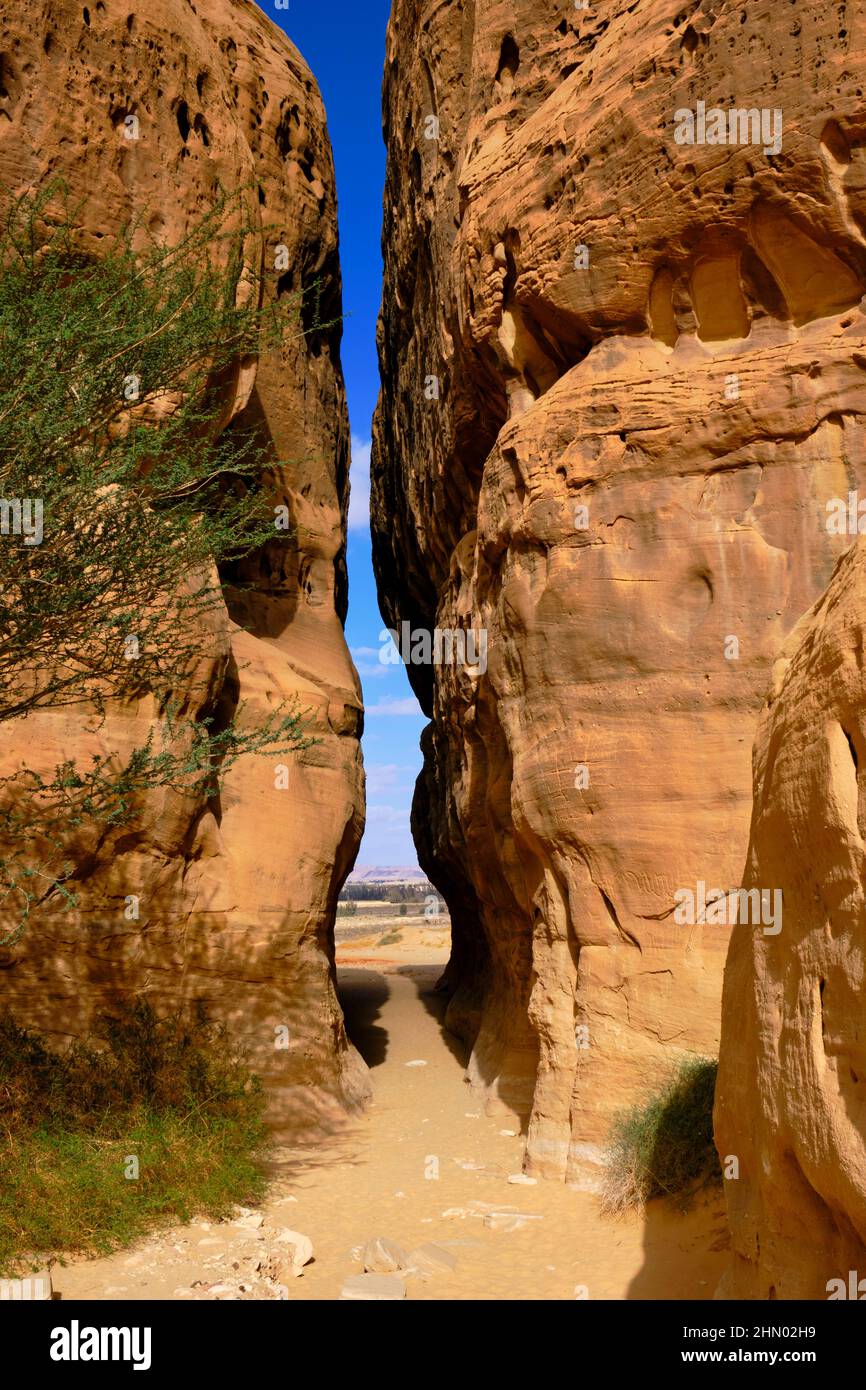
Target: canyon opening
432	678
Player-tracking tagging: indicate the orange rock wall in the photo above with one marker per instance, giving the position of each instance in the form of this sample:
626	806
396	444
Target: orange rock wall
648	362
791	1094
237	897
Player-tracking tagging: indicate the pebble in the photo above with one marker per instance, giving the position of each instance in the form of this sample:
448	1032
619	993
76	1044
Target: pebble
508	1221
250	1222
302	1249
384	1256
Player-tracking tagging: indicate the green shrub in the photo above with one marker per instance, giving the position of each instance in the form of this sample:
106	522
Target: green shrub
175	1095
138	516
666	1146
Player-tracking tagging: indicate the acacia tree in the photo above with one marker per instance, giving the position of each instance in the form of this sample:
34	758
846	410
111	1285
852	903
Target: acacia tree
120	494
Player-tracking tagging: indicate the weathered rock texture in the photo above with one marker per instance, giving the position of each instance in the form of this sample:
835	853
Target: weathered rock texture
237	898
791	1097
699	389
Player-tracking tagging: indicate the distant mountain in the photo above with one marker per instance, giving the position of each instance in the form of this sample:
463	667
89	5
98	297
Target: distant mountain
387	874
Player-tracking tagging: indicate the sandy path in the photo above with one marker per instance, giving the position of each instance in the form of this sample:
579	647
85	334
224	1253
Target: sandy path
370	1180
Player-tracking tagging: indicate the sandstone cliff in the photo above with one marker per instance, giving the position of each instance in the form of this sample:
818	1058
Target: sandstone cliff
790	1103
621	378
237	899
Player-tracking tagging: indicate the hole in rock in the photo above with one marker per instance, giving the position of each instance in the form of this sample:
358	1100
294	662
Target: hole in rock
509	58
183	122
760	286
834	141
718	299
815	279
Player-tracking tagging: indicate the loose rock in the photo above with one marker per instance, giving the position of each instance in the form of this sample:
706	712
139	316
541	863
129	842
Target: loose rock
383	1256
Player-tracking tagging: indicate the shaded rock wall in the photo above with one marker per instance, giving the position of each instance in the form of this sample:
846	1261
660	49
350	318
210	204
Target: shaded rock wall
237	897
649	363
791	1095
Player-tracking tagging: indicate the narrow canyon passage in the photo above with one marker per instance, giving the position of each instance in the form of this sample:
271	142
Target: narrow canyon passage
422	1165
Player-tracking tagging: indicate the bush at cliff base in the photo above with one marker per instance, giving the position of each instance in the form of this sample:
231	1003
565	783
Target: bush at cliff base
665	1147
156	1122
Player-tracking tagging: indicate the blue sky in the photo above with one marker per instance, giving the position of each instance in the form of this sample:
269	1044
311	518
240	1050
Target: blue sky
345	48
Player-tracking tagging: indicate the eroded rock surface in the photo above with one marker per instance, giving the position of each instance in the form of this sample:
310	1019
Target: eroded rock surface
790	1102
237	899
622	377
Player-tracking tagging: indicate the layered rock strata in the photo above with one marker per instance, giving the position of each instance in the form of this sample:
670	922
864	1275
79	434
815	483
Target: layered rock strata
791	1095
622	357
148	112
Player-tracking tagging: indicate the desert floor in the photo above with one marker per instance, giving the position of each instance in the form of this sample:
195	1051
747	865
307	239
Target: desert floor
371	1180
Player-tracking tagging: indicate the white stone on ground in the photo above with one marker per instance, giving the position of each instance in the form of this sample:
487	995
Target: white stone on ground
384	1256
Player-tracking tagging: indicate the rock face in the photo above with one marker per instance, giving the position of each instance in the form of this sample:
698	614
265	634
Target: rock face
791	1096
622	376
237	899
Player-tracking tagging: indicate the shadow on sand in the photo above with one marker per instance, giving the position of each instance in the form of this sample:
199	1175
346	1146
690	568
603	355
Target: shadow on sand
425	978
362	994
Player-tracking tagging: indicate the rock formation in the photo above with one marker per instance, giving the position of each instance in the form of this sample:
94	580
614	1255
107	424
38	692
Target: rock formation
790	1101
237	899
622	357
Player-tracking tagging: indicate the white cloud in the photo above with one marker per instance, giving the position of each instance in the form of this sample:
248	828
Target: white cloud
389	777
408	706
359	476
389	817
388	838
367	668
